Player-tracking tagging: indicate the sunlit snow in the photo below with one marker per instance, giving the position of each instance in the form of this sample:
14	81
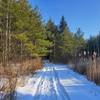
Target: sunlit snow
57	82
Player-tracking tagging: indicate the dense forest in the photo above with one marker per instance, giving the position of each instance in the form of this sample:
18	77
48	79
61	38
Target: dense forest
23	33
65	43
25	39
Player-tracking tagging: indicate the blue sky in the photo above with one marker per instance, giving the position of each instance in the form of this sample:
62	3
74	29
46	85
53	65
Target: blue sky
78	13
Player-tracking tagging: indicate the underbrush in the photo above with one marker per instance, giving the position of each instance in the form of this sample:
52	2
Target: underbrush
10	75
90	68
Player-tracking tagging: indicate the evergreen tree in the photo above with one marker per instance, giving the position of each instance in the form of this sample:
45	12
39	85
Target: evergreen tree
65	45
63	25
64	42
79	38
52	31
33	28
23	30
79	41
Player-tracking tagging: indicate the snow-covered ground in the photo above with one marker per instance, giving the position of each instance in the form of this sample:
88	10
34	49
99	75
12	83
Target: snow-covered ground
57	82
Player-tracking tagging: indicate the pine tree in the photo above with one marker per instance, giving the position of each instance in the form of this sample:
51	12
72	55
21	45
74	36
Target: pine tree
23	30
63	45
63	25
79	38
37	44
52	32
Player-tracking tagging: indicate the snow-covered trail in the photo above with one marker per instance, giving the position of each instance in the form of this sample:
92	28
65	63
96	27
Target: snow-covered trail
57	82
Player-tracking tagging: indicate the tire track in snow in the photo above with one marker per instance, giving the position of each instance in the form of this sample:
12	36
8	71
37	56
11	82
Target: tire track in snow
56	89
40	85
37	84
63	95
44	86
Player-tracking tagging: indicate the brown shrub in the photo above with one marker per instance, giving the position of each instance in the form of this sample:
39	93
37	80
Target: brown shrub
91	68
10	73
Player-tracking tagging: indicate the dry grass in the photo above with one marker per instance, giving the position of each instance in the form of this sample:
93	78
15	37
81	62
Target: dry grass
10	73
90	68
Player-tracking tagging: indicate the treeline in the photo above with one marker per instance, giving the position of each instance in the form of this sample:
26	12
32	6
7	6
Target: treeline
65	43
23	34
93	44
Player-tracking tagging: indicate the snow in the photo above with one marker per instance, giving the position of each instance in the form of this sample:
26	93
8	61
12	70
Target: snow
57	82
3	82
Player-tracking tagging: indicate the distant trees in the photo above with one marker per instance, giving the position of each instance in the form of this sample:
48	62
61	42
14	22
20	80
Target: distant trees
63	25
93	44
79	39
64	41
